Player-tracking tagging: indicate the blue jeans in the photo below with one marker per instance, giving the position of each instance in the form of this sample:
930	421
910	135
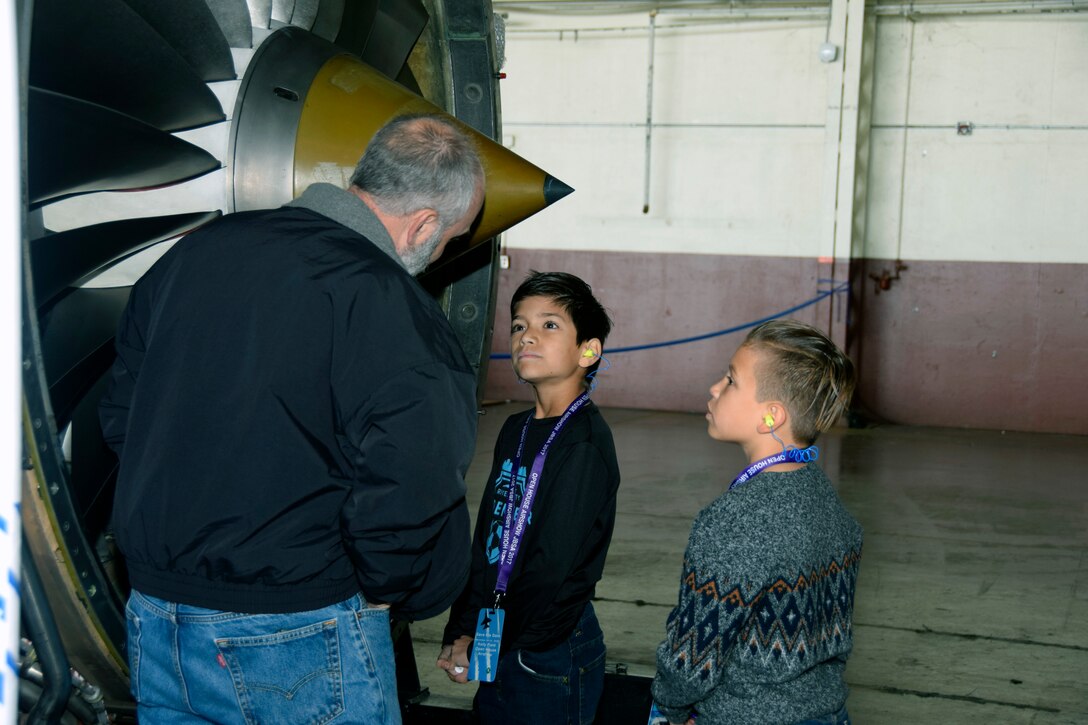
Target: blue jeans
192	665
560	685
836	718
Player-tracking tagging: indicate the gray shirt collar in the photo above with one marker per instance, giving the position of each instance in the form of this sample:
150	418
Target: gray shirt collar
343	207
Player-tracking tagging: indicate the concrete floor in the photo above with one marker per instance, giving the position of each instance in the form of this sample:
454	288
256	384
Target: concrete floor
972	602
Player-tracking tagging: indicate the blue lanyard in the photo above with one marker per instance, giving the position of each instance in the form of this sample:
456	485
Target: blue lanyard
791	455
512	532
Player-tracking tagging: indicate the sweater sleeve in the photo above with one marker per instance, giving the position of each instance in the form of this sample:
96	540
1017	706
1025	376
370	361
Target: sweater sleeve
712	614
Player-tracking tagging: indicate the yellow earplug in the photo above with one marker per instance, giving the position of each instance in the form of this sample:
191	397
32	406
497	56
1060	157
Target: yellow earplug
589	353
769	420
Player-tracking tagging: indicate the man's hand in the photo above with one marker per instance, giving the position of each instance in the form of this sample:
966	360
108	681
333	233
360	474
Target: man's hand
454	659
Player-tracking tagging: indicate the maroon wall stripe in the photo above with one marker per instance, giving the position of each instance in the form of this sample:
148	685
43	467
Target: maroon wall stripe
980	345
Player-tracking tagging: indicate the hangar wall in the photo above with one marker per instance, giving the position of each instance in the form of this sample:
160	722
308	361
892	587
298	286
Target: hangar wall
987	326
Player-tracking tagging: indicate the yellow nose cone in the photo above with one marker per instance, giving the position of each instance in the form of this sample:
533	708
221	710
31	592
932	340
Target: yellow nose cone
349	101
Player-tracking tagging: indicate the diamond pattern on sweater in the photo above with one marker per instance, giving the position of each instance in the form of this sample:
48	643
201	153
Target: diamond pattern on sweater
783	623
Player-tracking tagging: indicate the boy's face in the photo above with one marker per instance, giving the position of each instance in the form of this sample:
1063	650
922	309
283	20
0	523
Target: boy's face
544	344
734	414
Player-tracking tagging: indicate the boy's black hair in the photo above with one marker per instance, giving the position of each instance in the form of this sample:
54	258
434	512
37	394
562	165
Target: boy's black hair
577	300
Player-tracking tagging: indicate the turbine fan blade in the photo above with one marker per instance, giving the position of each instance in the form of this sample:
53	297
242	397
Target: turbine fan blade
330	15
355	24
77	147
66	259
281	12
234	21
305	13
122	64
260	13
94	466
77	344
397	26
192	30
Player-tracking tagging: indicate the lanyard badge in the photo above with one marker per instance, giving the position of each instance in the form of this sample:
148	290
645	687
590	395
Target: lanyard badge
485	647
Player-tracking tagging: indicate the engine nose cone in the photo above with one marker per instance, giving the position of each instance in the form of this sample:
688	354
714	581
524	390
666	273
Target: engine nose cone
307	110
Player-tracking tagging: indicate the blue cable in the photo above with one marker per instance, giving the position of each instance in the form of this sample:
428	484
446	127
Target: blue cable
611	351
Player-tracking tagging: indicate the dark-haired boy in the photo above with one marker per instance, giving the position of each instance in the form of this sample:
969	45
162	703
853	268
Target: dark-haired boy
534	570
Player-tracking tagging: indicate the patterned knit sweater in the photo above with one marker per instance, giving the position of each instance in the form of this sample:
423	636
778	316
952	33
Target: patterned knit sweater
763	626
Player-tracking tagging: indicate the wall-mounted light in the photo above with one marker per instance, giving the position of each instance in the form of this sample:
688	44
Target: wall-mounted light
828	52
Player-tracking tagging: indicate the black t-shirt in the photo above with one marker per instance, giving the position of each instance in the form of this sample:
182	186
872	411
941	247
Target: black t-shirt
566	540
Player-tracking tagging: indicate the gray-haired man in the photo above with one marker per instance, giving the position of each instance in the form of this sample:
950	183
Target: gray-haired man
294	417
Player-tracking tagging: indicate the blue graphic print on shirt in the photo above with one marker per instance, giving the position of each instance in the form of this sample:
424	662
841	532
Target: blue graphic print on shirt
498	508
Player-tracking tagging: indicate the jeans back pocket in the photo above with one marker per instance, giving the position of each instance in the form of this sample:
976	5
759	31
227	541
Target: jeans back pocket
287	677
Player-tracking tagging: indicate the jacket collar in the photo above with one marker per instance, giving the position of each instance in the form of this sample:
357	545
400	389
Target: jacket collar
346	209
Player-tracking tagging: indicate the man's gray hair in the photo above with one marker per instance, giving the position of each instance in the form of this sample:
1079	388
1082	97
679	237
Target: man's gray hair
421	161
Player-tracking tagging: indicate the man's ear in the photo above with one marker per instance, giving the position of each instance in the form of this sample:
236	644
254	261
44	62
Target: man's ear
420	226
590	352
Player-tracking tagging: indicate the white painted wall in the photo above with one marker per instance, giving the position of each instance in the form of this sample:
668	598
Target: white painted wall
1012	191
738	143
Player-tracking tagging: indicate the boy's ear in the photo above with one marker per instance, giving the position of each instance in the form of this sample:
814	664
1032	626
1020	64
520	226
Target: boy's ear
774	417
590	352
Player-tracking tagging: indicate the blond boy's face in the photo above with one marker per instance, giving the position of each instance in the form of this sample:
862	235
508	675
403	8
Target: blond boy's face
733	412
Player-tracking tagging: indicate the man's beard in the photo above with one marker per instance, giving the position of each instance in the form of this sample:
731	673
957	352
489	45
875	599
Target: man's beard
418	257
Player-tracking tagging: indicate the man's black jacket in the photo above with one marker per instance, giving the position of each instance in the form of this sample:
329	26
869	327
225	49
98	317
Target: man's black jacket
294	418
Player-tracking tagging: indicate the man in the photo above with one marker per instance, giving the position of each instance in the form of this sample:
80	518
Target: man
294	417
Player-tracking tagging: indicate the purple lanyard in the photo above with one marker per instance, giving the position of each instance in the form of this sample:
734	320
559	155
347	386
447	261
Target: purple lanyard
791	455
512	532
757	467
